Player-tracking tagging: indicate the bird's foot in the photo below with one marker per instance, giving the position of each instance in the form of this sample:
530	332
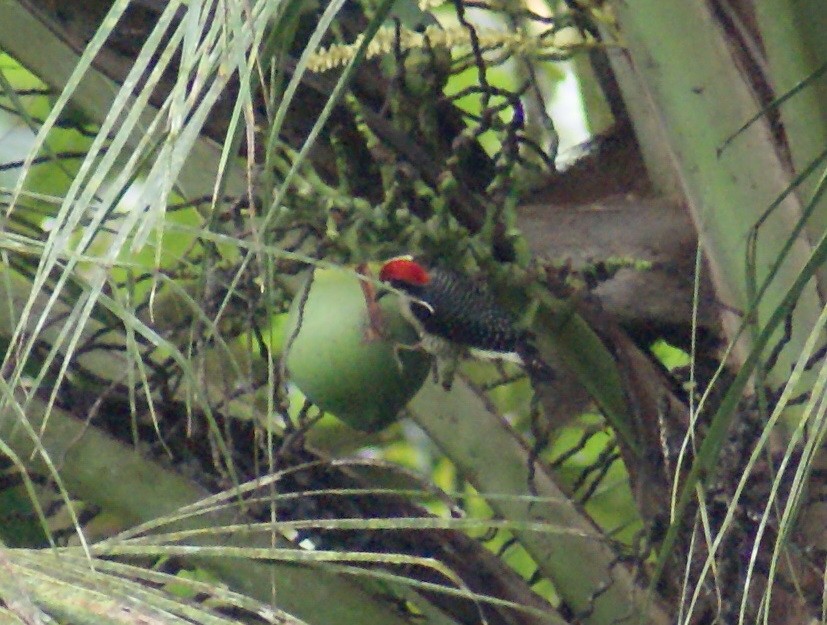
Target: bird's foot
449	371
398	348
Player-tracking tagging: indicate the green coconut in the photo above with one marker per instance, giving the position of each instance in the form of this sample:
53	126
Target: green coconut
339	364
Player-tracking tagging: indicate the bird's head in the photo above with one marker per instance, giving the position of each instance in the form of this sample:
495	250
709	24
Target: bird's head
404	273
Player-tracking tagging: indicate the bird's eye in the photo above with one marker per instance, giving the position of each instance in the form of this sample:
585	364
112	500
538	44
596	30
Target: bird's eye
422	310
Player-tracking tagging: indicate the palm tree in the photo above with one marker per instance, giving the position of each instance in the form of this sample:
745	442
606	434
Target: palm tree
194	168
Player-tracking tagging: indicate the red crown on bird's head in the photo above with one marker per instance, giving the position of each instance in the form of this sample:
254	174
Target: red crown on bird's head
404	269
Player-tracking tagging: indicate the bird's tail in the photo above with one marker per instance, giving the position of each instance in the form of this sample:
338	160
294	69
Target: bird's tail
538	370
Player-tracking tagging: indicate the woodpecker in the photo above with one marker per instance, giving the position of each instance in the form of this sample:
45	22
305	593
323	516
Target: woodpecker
453	315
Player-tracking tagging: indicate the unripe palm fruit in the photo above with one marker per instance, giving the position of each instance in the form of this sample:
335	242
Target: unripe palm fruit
336	360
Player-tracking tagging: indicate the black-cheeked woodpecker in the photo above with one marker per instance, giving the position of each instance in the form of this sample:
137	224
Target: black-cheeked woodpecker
453	315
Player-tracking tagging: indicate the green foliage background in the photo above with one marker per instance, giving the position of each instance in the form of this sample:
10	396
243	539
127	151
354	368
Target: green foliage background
191	163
